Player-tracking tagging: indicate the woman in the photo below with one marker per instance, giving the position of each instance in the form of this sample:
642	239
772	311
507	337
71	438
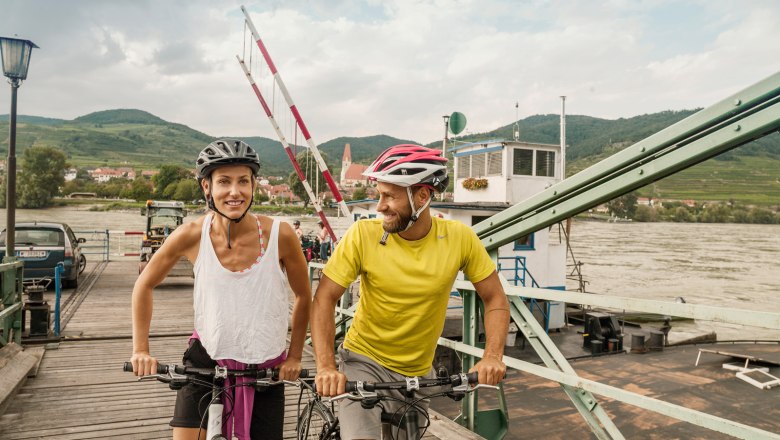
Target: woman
243	264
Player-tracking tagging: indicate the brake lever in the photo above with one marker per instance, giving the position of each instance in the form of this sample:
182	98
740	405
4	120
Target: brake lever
359	394
160	377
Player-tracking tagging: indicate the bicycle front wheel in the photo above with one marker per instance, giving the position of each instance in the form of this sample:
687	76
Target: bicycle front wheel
316	421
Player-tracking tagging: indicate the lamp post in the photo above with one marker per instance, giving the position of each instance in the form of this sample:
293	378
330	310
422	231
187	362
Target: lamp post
15	54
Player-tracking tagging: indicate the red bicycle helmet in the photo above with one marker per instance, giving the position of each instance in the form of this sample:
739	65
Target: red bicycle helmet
408	165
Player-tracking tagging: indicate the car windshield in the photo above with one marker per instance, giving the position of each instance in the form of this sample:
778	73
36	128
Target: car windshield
36	237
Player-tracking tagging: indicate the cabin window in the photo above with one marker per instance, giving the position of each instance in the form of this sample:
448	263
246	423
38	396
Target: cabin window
479	218
478	165
464	164
525	243
522	162
545	163
494	167
528	162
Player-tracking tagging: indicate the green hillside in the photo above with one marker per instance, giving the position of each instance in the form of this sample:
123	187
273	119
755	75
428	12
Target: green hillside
111	137
749	174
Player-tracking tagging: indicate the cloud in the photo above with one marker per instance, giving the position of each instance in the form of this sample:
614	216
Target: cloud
368	67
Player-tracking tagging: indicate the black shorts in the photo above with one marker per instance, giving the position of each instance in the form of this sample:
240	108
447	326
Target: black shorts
192	401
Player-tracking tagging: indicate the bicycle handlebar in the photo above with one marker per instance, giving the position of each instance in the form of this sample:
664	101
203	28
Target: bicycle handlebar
254	373
411	384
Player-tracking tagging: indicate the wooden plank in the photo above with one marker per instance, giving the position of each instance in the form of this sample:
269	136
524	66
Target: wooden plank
13	376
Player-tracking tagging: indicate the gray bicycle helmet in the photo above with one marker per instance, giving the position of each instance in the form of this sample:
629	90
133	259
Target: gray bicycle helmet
226	152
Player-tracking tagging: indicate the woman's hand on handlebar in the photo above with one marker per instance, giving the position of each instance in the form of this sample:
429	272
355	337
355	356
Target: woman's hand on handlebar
143	364
491	370
290	369
330	382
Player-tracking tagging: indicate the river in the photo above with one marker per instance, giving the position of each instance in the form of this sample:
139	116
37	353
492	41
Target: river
725	265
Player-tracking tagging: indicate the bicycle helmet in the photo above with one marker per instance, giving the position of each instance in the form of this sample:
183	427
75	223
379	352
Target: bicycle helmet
226	152
409	165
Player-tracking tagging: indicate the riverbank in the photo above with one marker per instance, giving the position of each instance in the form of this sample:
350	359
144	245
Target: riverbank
104	205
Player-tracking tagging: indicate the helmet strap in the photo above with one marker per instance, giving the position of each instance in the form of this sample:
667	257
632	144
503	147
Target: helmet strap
415	214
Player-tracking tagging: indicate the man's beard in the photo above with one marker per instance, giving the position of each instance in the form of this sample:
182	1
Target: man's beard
399	225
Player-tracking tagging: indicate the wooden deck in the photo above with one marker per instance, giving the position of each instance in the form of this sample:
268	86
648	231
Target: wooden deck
81	392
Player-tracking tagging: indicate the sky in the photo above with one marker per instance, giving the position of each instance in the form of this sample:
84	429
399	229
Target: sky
361	68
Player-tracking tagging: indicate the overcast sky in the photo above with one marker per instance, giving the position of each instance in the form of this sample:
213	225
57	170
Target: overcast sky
358	68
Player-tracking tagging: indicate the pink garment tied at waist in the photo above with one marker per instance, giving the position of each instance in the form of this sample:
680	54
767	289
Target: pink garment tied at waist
243	397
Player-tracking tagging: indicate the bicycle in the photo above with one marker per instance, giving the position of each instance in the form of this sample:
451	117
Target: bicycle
317	421
177	376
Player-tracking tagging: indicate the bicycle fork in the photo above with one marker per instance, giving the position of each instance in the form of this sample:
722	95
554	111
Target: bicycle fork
214	426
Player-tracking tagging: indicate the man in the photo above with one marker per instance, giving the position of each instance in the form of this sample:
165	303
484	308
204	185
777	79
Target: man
407	263
298	230
242	265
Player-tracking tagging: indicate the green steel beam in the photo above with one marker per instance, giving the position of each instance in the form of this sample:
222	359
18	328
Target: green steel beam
11	275
746	116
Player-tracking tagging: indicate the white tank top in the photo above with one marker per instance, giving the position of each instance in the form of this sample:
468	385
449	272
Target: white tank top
241	315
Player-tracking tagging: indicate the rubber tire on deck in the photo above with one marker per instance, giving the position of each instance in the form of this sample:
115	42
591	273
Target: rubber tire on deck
321	421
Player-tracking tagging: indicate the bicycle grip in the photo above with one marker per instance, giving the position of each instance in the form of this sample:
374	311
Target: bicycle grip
161	369
473	379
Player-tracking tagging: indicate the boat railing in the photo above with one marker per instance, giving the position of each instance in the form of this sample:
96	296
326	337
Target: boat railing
519	271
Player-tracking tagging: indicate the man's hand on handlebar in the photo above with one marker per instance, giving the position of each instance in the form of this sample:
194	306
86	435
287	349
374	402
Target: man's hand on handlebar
491	370
330	382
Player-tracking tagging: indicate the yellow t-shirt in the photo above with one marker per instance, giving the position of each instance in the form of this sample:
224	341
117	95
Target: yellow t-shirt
404	288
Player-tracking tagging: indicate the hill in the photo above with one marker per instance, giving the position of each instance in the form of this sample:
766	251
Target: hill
127	136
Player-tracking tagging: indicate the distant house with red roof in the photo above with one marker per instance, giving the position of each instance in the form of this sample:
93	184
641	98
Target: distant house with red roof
106	174
351	173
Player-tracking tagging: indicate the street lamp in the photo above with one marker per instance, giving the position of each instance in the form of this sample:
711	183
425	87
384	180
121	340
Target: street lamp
15	54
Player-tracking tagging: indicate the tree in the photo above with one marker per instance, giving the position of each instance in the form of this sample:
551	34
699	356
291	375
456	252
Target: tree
169	174
359	194
187	190
139	190
623	206
43	172
306	158
645	214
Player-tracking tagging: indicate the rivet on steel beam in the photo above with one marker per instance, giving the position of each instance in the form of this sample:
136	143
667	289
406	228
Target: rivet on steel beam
582	391
590	401
641	172
555	193
553	211
737	128
643	149
737	101
490	240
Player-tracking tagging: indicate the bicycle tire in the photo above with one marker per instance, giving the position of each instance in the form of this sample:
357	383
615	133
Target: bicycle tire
316	421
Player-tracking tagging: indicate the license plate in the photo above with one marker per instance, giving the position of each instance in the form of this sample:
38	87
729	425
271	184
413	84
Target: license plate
31	254
146	250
